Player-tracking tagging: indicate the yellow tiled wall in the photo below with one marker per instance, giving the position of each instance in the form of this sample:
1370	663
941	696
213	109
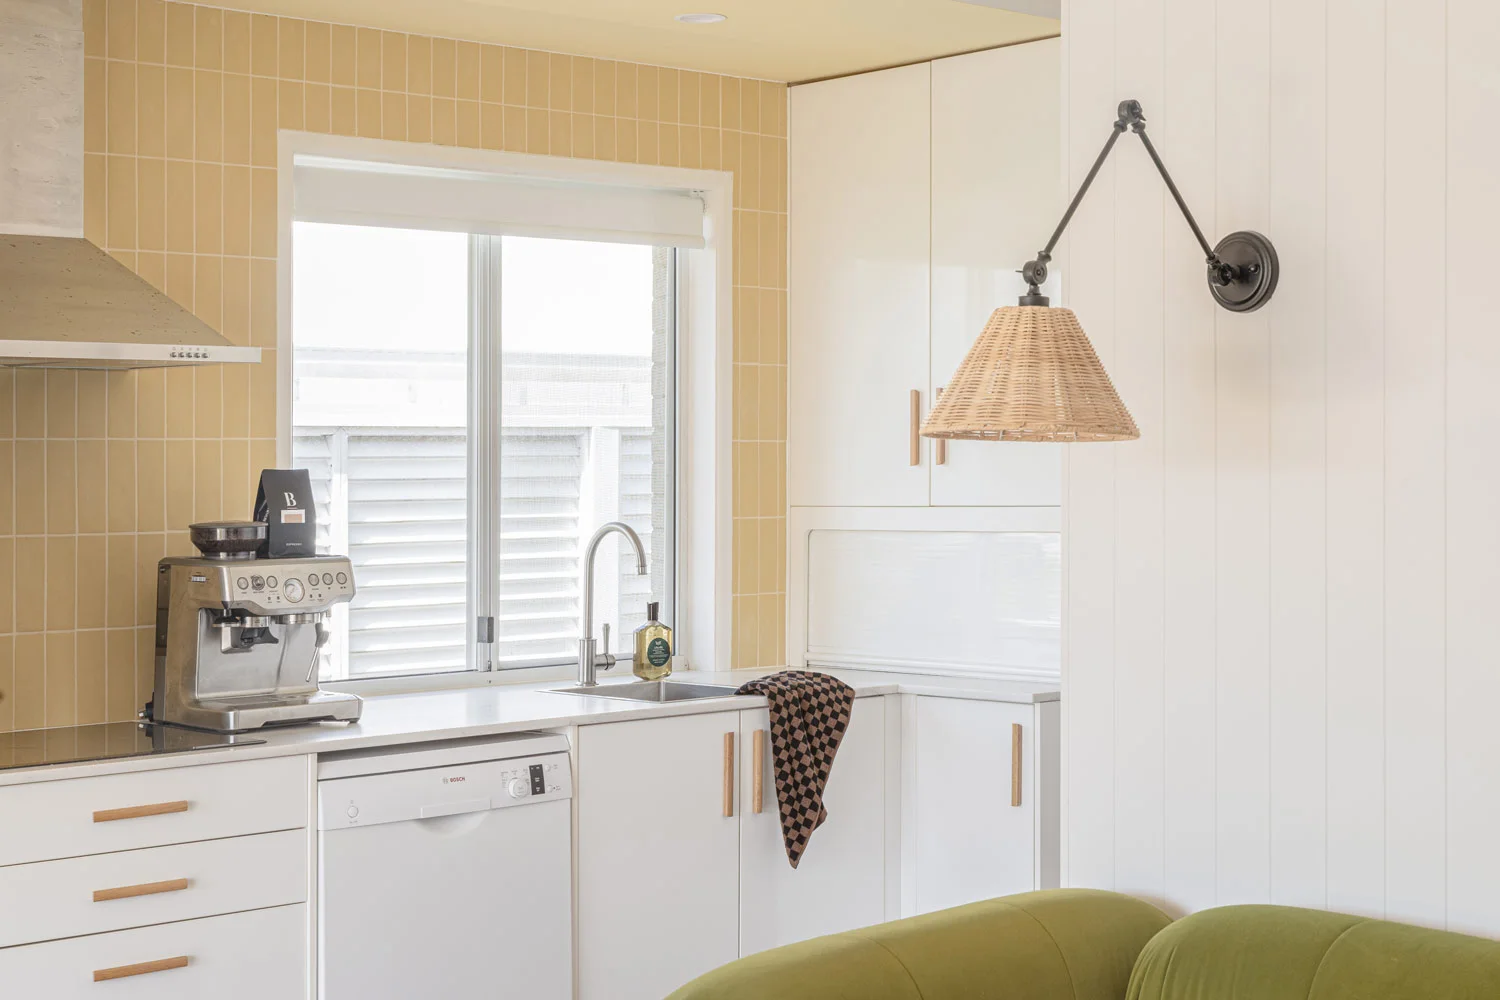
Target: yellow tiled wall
182	107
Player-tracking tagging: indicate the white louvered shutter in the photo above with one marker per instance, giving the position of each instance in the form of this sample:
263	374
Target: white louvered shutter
404	520
540	475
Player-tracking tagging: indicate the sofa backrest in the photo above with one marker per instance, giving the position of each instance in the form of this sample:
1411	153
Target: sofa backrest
1073	944
1283	953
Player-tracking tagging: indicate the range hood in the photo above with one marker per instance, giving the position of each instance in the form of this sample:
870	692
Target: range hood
64	303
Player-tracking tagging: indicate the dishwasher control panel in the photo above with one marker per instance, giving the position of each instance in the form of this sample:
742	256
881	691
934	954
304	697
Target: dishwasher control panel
432	793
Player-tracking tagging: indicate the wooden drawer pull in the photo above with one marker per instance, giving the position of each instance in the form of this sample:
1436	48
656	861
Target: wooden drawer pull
138	812
916	427
144	889
758	783
140	969
728	774
1015	763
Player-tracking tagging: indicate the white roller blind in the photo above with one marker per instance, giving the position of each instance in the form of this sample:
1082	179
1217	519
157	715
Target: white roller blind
396	196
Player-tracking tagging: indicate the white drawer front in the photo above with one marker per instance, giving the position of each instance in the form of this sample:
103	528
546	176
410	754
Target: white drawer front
107	892
259	955
122	812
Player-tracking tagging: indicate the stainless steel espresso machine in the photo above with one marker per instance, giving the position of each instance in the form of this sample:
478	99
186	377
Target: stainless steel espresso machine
238	637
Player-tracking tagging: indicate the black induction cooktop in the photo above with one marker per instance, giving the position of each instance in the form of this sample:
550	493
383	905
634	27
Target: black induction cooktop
107	741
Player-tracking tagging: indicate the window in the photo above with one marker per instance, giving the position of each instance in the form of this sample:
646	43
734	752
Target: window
471	408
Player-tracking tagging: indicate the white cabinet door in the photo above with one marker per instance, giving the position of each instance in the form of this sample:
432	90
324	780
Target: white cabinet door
658	861
996	197
968	841
858	306
840	882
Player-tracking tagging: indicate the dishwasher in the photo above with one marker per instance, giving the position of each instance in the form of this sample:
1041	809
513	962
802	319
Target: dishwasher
445	870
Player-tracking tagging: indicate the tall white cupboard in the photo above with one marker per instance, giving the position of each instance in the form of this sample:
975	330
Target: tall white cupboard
916	194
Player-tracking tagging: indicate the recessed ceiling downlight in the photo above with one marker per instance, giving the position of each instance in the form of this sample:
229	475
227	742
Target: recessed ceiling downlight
701	18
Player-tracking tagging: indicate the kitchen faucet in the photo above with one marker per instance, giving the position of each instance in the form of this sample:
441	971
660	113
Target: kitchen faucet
588	661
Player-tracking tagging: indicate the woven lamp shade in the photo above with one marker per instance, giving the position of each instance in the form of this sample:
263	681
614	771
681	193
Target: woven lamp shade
1031	376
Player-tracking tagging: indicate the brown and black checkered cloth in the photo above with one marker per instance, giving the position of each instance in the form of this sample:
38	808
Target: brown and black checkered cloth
809	713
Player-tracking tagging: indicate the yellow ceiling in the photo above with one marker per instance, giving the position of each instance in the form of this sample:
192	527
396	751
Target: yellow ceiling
791	40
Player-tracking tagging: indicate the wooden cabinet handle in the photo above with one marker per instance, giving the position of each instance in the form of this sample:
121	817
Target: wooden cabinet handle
916	427
758	783
144	889
939	446
140	969
137	812
728	774
1015	763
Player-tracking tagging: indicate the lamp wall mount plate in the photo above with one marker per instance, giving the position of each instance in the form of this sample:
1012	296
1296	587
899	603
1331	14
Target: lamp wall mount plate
1252	268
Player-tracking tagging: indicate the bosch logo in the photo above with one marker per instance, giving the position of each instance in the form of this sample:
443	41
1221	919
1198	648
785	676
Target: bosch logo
454	780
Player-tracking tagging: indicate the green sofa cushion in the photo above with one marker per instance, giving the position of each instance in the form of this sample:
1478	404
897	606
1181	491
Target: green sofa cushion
1283	953
1069	944
837	967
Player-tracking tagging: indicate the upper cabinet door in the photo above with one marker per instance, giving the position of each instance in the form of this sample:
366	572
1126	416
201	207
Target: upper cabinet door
858	305
996	196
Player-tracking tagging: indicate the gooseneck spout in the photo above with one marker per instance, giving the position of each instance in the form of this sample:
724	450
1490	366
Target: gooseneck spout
589	660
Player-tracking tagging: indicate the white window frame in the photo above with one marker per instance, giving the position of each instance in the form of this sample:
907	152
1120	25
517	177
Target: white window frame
701	511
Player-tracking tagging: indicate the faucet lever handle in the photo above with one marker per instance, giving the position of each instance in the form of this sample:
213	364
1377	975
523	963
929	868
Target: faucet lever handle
605	661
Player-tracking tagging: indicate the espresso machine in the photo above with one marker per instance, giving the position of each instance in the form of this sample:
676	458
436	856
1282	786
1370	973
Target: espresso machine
239	638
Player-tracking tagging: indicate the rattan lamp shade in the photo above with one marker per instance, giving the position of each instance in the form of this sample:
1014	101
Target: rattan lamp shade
1031	376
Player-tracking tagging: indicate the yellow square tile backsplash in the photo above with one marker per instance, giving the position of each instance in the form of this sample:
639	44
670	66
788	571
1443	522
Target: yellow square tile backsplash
182	105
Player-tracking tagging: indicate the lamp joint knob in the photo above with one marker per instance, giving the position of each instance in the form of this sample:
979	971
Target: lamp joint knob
1220	273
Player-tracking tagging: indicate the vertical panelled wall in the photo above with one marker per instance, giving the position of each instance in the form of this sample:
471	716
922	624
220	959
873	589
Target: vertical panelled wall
103	473
1281	670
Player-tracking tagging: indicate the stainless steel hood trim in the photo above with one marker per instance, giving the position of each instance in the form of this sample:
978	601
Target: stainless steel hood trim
63	354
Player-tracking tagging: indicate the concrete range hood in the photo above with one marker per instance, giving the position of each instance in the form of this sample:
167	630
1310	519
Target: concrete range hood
64	303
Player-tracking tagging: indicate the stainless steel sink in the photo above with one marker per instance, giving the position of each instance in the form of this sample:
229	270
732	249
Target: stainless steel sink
654	691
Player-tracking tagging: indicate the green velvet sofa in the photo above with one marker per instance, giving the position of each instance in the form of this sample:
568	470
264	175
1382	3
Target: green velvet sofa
1079	944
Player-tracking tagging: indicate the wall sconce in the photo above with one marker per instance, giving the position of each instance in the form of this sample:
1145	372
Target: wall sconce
1033	375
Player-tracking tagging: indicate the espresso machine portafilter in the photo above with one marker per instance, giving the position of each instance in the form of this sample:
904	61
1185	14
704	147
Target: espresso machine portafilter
239	638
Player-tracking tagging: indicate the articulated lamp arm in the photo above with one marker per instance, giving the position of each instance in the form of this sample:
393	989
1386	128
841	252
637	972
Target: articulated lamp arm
1242	269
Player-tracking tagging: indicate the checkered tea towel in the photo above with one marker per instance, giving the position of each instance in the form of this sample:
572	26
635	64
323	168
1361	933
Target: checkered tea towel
809	713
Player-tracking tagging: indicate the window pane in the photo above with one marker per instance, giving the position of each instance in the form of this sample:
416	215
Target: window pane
379	417
585	421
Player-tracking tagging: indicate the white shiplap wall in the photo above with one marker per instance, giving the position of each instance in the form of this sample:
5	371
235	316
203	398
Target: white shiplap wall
1282	650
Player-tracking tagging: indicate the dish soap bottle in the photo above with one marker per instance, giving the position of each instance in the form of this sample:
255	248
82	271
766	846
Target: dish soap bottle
653	647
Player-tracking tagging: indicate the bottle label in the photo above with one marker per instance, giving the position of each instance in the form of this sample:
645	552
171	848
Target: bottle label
658	652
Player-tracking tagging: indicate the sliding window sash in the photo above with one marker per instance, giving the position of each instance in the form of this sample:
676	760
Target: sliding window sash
485	628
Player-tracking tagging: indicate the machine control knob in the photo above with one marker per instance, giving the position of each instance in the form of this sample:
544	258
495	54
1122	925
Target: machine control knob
242	583
343	579
519	788
353	812
293	590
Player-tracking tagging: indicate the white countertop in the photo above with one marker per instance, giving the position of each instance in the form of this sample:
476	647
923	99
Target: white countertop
459	713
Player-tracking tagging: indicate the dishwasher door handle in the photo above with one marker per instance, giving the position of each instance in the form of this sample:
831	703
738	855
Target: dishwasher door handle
454	808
